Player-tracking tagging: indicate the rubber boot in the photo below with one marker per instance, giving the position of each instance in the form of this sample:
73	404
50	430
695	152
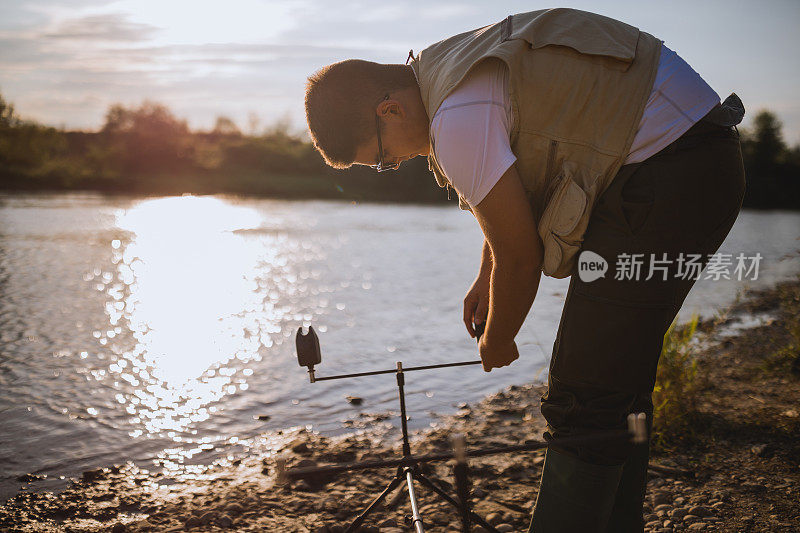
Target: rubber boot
575	496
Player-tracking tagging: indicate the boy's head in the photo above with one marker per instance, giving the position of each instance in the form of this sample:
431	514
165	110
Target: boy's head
342	103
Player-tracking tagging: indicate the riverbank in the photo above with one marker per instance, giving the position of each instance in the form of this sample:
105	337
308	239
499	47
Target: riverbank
738	471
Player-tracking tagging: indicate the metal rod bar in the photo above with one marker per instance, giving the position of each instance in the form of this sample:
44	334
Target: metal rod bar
409	369
460	472
411	459
401	386
416	518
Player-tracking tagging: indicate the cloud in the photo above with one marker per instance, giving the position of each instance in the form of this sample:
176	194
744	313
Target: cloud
111	27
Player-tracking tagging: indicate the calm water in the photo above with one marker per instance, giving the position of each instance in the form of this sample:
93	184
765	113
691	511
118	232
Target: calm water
162	329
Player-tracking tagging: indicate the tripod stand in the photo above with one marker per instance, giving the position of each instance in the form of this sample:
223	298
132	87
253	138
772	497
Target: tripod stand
408	471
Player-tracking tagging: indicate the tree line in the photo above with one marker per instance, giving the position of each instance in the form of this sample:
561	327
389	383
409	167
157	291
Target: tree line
147	150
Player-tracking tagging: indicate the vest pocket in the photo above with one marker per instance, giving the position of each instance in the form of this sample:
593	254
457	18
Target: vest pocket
562	225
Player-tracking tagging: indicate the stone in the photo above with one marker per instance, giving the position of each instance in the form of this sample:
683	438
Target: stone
661	498
299	446
760	450
92	475
690	519
191	522
504	528
679	514
494	518
207	518
224	521
700	510
234	509
697	526
119	527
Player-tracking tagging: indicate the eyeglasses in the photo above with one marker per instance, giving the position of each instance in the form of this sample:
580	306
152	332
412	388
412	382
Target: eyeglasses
381	166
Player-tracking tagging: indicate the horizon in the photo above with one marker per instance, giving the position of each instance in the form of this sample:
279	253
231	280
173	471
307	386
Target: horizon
249	60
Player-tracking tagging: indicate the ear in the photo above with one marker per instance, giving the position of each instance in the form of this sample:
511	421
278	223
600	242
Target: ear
390	108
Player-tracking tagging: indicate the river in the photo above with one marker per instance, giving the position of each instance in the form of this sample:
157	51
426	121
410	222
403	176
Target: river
161	330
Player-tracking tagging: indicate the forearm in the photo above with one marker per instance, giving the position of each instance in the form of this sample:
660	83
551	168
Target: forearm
486	260
513	287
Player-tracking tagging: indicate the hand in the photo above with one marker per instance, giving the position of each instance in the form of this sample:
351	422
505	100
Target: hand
476	303
496	356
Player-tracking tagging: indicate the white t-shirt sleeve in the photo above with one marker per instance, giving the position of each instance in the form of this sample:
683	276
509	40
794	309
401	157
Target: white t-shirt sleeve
471	132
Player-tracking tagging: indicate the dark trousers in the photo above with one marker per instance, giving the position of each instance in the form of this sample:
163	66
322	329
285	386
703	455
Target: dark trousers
682	200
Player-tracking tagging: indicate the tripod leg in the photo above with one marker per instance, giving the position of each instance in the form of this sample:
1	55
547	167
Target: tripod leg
475	517
462	490
417	519
360	518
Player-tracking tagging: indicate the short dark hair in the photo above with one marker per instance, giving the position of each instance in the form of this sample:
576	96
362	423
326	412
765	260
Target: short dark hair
340	104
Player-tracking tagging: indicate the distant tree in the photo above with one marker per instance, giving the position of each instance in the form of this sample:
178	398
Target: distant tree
769	147
225	126
772	169
149	138
7	116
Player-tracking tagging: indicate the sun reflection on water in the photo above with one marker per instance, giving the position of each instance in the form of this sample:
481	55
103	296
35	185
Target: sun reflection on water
188	291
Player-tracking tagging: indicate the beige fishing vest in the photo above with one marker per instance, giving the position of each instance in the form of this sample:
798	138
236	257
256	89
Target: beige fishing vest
579	83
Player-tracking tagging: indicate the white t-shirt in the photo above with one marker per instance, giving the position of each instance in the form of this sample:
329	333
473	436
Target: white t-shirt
471	130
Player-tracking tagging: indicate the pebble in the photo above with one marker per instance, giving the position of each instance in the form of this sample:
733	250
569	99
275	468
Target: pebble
494	518
690	519
661	498
679	514
759	449
119	527
234	509
224	521
700	510
208	517
504	528
191	522
698	526
91	475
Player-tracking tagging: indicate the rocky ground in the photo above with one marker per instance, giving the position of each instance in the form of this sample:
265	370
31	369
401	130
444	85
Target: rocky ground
738	471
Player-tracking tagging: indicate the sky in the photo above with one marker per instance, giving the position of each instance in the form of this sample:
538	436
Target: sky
64	63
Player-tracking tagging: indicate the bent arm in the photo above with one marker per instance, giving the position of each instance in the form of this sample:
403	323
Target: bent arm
516	253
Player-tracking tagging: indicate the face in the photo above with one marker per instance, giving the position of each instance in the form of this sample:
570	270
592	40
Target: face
403	133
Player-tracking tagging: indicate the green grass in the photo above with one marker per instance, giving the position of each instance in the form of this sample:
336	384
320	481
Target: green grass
677	389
